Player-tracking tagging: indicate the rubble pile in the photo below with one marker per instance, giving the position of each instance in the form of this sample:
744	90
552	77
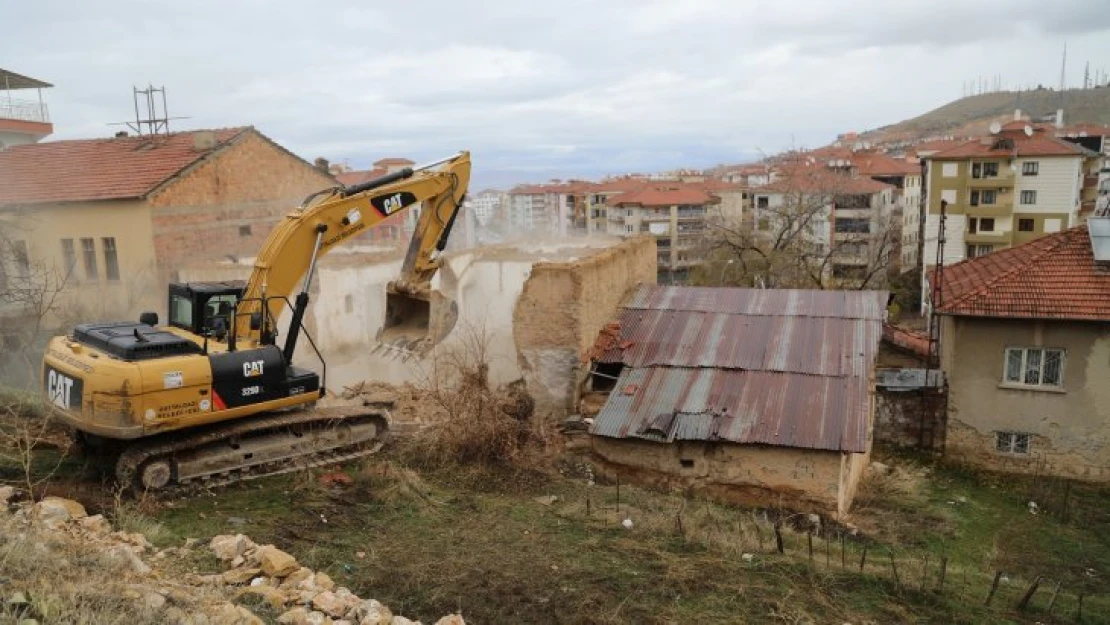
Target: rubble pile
128	575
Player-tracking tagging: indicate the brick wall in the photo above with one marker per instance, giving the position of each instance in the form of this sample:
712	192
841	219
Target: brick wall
228	204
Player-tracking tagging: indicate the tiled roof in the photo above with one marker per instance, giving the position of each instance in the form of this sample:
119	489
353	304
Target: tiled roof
789	368
349	178
99	169
878	164
1039	144
386	162
663	195
936	145
913	342
798	178
1053	277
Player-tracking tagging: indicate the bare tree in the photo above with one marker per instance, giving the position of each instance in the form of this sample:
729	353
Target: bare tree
795	238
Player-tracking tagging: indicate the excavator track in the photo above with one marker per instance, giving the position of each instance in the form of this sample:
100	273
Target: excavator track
251	448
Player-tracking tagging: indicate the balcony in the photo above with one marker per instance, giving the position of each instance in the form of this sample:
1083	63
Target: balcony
1005	178
989	238
691	213
1002	207
24	110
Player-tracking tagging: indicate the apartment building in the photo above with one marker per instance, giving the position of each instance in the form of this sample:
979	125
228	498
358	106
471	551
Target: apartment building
1007	188
486	205
904	175
22	119
1096	178
837	222
675	214
556	208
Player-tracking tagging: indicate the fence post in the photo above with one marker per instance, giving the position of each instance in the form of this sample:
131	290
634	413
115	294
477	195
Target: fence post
1029	593
994	587
827	550
1052	601
809	544
863	558
894	567
778	538
924	572
943	571
843	561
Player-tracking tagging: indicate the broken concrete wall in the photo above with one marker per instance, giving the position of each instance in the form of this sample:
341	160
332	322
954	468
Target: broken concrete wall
562	308
763	475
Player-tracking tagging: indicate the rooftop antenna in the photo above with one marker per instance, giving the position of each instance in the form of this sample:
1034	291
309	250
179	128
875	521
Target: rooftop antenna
149	120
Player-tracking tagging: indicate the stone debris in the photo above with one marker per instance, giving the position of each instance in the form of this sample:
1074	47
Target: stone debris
254	574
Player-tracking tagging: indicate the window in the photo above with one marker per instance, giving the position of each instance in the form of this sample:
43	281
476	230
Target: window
1030	168
975	251
1028	197
245	231
69	253
1052	225
972	226
988	197
853	225
948	195
21	257
1012	442
762	201
111	260
630	228
1034	366
181	311
949	170
974	198
1025	225
986	224
349	303
88	250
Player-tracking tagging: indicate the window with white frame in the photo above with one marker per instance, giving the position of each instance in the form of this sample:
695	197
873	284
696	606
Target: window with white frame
1034	366
1030	168
1028	197
1012	442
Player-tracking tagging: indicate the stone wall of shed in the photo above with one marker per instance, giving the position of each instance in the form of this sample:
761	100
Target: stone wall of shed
758	475
562	308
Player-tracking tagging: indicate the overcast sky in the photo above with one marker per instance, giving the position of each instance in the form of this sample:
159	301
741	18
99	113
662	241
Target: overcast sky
539	89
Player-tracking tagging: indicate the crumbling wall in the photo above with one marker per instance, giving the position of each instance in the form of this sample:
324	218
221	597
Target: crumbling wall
562	308
902	418
763	475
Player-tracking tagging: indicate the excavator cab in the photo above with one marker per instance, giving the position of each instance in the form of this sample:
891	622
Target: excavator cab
205	308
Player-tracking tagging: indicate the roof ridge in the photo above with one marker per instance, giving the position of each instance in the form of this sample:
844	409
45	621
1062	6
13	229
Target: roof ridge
1049	244
220	146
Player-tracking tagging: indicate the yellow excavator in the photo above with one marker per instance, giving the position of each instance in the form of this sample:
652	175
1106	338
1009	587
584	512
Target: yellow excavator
211	397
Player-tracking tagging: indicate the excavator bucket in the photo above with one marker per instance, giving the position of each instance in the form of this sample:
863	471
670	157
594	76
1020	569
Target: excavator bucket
416	321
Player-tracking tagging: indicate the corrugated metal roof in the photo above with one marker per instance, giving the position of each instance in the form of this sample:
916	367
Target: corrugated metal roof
777	367
814	345
765	302
666	404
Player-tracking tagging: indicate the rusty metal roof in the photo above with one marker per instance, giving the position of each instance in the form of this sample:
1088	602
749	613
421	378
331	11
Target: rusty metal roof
777	367
814	345
768	302
666	404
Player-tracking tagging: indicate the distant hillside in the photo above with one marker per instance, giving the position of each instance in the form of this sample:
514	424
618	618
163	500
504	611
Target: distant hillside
974	114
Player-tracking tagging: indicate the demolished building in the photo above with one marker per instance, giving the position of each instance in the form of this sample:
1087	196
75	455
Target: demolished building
758	396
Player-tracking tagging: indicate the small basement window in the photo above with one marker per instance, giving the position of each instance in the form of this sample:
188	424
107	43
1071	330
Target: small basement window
245	231
686	464
1012	442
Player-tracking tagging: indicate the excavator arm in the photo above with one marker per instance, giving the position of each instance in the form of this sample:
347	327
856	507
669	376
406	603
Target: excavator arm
327	219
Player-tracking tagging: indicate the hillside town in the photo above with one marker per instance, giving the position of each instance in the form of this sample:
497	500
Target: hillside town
561	400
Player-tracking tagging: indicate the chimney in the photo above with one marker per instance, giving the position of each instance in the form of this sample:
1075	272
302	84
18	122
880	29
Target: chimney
204	140
322	164
1059	118
1017	115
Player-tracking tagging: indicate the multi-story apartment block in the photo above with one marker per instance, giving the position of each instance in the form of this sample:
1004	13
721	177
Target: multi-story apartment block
486	206
557	208
675	214
904	174
839	221
1015	185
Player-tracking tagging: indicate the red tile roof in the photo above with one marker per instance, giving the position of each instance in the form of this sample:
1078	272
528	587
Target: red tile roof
936	145
914	342
816	178
99	169
663	195
1054	277
386	162
877	164
1039	144
349	178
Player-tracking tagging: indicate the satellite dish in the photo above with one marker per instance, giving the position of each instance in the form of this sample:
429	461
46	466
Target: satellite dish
995	128
1028	130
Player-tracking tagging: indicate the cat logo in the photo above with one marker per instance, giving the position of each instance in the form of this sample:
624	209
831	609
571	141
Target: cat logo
63	391
252	369
392	204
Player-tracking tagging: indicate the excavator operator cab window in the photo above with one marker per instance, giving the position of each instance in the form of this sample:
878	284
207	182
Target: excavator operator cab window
204	307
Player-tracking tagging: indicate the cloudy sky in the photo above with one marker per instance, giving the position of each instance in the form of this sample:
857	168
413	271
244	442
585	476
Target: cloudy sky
540	89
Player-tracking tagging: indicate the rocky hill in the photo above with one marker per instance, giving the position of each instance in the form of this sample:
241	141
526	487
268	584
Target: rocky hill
973	115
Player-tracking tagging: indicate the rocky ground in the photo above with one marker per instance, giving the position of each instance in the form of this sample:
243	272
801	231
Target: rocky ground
59	564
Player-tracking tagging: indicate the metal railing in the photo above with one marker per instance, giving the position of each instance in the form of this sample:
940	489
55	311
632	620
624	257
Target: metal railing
24	110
